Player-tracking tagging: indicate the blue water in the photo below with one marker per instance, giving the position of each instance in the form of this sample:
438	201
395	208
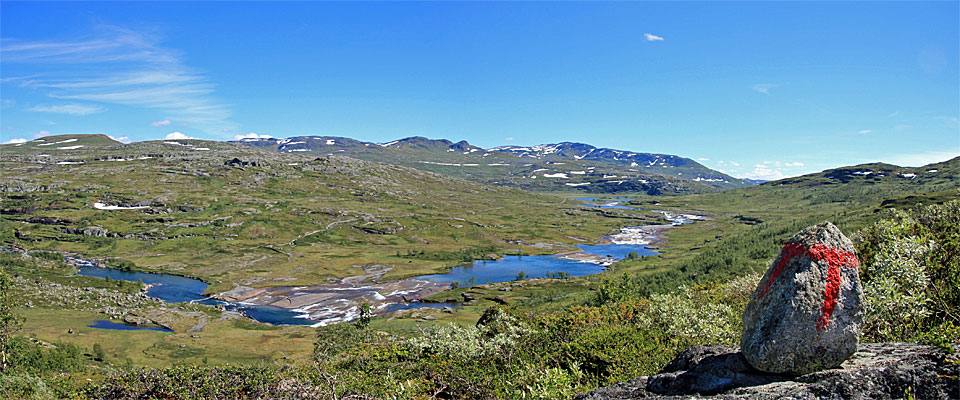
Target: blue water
415	305
176	289
170	288
103	324
507	268
619	251
269	314
607	202
616	206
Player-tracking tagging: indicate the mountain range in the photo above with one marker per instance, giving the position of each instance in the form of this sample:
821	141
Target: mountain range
562	166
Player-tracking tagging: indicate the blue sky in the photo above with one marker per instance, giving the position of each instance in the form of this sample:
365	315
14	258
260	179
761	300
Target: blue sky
755	89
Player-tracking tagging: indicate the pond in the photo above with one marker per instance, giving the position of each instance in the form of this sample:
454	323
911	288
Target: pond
507	268
608	202
103	324
175	289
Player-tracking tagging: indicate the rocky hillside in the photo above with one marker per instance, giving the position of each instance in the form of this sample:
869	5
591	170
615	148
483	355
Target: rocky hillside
938	174
234	214
876	371
550	167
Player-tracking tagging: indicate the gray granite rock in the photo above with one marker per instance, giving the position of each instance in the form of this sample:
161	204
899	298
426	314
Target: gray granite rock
805	314
875	371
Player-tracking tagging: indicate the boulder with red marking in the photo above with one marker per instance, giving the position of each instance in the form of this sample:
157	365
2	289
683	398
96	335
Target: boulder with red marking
805	314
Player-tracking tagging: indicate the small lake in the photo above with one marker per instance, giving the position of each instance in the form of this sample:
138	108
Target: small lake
507	268
608	202
166	287
103	324
179	289
176	289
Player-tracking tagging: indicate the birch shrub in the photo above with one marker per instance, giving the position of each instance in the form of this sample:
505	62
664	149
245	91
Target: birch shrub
911	275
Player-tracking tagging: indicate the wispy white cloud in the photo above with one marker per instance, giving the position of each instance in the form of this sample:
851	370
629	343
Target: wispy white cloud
782	164
510	139
160	123
177	135
764	172
135	71
121	139
894	114
72	109
15	141
764	88
773	170
703	159
41	134
251	135
865	131
652	38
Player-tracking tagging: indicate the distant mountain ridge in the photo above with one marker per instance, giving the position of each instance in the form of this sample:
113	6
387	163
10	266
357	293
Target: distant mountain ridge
564	166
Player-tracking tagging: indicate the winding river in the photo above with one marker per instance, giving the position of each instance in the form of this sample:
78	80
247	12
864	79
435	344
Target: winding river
325	304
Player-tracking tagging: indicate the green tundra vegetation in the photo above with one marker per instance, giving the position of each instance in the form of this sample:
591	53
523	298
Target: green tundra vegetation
550	338
271	218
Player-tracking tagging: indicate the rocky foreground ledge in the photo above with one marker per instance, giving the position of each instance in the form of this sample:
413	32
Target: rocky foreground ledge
875	371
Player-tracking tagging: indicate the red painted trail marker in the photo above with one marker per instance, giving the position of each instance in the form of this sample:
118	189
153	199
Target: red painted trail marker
835	259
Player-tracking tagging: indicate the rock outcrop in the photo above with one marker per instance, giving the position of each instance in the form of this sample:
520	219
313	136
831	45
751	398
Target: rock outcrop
805	314
875	371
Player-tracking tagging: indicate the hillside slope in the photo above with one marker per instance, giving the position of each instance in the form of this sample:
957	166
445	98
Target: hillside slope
551	167
233	214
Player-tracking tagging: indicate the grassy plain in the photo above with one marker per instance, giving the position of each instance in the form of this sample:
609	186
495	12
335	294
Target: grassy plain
299	220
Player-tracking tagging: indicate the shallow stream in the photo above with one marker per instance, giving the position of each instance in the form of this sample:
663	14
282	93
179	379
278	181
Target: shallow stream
590	260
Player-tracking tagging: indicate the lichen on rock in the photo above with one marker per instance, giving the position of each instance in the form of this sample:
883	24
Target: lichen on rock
806	312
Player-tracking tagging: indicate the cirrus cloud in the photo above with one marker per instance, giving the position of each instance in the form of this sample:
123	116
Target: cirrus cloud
160	123
764	88
72	109
134	69
652	38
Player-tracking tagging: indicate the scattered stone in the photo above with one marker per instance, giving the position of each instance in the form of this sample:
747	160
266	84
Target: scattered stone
707	370
136	320
498	299
876	371
49	221
805	314
95	231
236	162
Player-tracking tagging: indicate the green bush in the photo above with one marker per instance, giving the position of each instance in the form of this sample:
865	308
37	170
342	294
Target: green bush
911	275
33	359
196	382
